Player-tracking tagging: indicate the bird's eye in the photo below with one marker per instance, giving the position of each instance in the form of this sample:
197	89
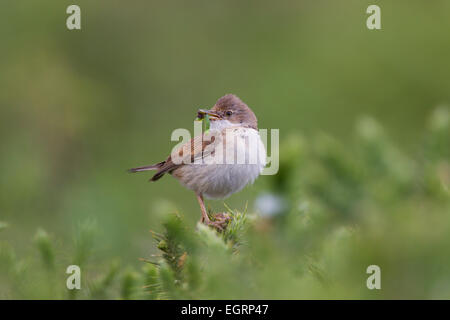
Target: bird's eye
229	113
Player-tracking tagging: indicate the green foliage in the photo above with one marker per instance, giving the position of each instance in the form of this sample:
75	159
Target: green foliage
45	247
41	275
84	241
236	228
345	207
347	210
129	284
99	287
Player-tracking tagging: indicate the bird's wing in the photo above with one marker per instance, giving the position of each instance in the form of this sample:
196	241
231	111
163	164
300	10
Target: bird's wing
192	151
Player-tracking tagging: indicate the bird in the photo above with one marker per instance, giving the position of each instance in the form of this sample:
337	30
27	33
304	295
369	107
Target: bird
219	162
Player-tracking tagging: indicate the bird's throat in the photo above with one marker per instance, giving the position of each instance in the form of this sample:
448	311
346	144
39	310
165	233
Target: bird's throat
222	124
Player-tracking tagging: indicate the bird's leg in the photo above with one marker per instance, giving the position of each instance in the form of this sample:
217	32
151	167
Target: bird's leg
220	221
205	218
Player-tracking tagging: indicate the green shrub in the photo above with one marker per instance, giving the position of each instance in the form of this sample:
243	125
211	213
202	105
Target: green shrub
341	209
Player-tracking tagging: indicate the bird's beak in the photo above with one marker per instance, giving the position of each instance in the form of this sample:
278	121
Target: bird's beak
212	115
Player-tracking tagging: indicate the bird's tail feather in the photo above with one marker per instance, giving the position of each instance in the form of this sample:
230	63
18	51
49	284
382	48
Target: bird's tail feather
147	168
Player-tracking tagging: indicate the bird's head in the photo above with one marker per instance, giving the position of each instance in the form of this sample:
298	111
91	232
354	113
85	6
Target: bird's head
230	111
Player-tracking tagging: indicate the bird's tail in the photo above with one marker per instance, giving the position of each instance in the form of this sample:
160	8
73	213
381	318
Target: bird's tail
147	168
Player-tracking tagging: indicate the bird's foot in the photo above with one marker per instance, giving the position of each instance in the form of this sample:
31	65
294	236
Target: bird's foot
219	221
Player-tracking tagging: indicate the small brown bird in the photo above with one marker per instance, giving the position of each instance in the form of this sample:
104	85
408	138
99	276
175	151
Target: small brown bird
220	162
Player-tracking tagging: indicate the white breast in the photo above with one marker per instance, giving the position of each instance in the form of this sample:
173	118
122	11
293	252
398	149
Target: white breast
220	179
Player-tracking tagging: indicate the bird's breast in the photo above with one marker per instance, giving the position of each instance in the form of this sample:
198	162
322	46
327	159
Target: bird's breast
237	159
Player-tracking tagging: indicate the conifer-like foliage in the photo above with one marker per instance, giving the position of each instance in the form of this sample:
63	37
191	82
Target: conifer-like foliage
332	211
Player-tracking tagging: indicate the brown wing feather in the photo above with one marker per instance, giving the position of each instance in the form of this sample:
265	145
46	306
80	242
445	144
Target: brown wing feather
197	150
146	168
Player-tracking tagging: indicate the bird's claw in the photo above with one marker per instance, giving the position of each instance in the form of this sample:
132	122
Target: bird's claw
220	221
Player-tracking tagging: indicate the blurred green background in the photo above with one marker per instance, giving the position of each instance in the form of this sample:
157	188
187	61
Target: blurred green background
78	108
